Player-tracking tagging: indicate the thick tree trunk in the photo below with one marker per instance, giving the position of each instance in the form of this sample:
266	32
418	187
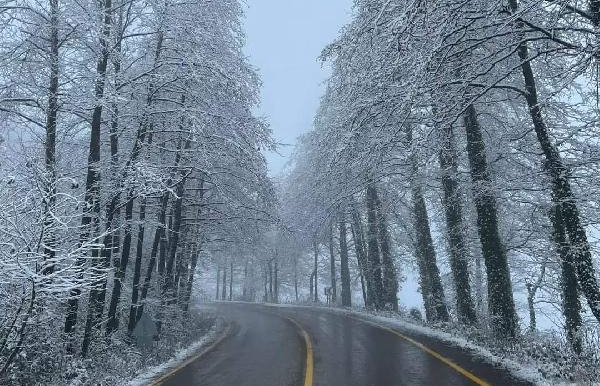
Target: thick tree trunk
360	270
570	292
49	239
431	283
312	288
373	258
361	256
531	307
113	320
158	235
91	215
434	299
316	251
500	297
137	270
190	280
562	193
332	266
390	279
344	268
455	232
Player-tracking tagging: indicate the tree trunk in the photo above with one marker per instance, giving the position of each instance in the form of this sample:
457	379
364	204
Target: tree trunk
530	305
270	265
344	268
455	232
113	320
570	292
332	266
276	283
137	270
218	280
190	279
296	276
390	279
158	235
562	193
91	215
500	297
359	246
49	239
167	290
245	287
373	258
312	288
224	285
431	283
231	280
316	251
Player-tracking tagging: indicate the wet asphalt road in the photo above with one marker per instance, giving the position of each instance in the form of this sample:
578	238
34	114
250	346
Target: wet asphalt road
266	349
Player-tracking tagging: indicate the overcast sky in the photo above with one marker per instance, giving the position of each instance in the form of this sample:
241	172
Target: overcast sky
284	39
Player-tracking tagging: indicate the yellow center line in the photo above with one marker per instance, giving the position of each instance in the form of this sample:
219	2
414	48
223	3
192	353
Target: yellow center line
309	368
168	375
467	374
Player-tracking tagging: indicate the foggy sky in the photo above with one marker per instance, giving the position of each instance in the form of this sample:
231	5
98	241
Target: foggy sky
284	40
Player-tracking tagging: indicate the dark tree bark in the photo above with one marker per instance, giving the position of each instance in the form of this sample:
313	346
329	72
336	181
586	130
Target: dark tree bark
49	239
500	297
562	193
276	282
91	215
111	242
296	277
230	280
431	283
344	268
332	266
137	270
390	279
373	257
218	281
570	292
312	288
361	256
359	259
315	271
245	286
158	235
459	255
190	279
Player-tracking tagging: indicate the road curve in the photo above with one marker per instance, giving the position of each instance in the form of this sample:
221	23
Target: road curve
268	347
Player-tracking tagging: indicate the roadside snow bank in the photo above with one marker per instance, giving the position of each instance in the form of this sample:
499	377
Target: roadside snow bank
181	356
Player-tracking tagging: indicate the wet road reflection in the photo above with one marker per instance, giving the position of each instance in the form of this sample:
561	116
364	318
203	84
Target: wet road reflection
266	349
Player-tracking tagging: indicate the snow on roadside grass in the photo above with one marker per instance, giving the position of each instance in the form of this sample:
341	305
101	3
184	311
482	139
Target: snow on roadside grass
521	367
180	356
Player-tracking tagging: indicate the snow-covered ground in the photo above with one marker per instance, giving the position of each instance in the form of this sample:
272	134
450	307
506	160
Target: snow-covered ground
182	356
